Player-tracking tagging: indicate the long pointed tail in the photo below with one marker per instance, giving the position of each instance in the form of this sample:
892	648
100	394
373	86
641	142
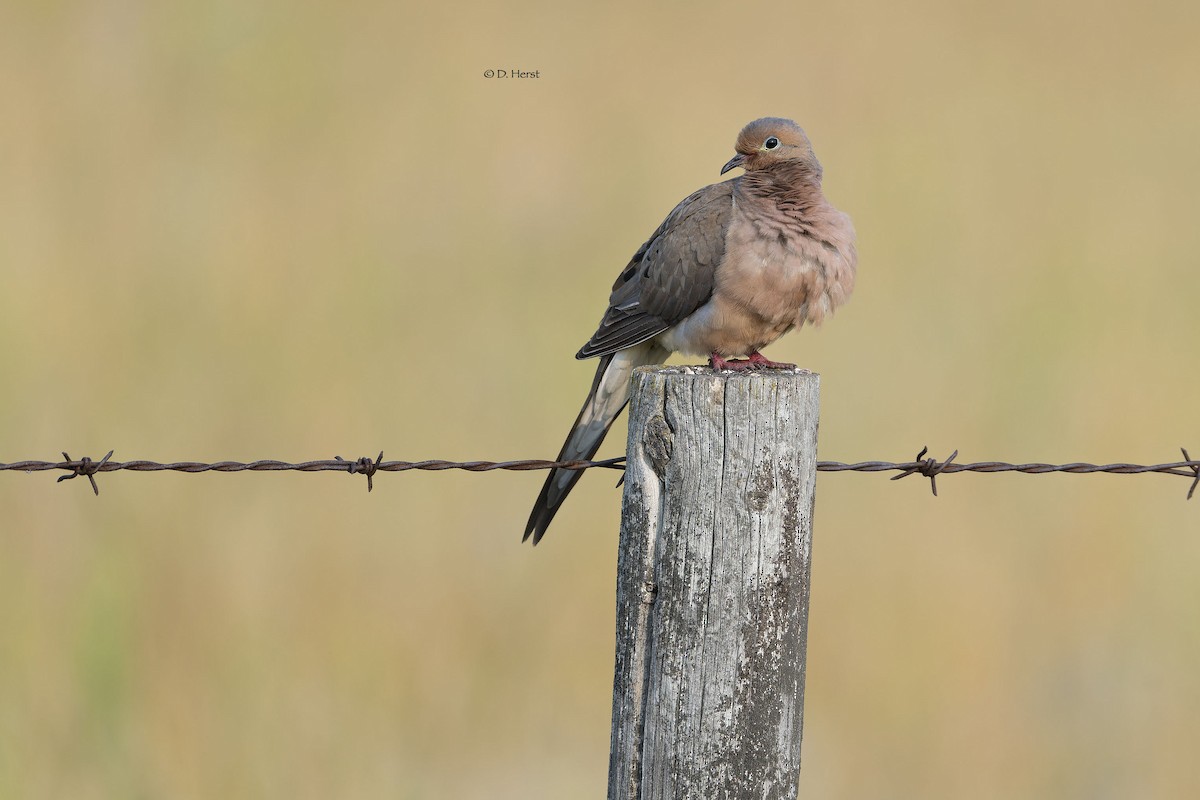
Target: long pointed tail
609	394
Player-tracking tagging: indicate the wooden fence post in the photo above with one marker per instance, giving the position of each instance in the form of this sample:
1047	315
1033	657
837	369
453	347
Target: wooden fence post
713	584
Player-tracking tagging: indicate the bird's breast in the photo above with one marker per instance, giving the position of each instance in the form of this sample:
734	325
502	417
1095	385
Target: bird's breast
784	272
777	273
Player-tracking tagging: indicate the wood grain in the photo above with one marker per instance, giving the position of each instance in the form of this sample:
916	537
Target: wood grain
713	584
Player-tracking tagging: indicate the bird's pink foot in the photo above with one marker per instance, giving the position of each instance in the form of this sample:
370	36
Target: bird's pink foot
717	363
756	361
762	362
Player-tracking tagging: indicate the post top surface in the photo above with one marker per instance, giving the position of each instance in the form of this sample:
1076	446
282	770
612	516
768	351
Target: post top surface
728	374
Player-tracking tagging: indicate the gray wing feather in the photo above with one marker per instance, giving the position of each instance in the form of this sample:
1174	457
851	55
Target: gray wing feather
670	276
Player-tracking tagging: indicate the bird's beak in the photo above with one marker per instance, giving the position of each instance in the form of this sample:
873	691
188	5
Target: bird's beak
736	161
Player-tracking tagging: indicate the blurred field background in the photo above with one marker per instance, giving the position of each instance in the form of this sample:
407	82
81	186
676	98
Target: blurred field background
235	230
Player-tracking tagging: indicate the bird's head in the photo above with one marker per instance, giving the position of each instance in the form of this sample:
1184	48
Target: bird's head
769	141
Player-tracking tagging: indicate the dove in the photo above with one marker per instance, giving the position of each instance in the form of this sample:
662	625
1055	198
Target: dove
731	269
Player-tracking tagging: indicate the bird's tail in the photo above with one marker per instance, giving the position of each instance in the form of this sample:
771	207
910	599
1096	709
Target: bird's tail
609	394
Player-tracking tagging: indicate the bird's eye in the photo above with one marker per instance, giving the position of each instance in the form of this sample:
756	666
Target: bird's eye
771	143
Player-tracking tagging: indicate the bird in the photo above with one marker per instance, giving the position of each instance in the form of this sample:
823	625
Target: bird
732	268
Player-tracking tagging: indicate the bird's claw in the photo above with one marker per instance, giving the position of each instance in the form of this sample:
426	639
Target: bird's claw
755	361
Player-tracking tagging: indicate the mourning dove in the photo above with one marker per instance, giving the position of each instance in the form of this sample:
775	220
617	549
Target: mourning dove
732	268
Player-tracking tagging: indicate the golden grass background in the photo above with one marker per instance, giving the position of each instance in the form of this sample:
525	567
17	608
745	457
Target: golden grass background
294	230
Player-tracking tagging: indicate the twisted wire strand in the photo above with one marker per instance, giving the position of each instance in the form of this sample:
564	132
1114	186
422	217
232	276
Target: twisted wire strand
927	467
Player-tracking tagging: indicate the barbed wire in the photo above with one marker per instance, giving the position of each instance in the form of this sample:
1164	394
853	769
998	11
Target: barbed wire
930	468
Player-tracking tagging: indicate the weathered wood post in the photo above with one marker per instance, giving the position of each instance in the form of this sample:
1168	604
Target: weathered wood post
713	584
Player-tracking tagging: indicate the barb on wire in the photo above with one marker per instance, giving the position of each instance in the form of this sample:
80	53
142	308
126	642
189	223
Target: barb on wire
364	465
85	466
930	468
1192	488
927	467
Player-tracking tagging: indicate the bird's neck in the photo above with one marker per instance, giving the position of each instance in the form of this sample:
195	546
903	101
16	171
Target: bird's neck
794	186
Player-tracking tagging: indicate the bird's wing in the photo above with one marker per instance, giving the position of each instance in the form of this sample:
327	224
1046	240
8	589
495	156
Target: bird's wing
670	276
